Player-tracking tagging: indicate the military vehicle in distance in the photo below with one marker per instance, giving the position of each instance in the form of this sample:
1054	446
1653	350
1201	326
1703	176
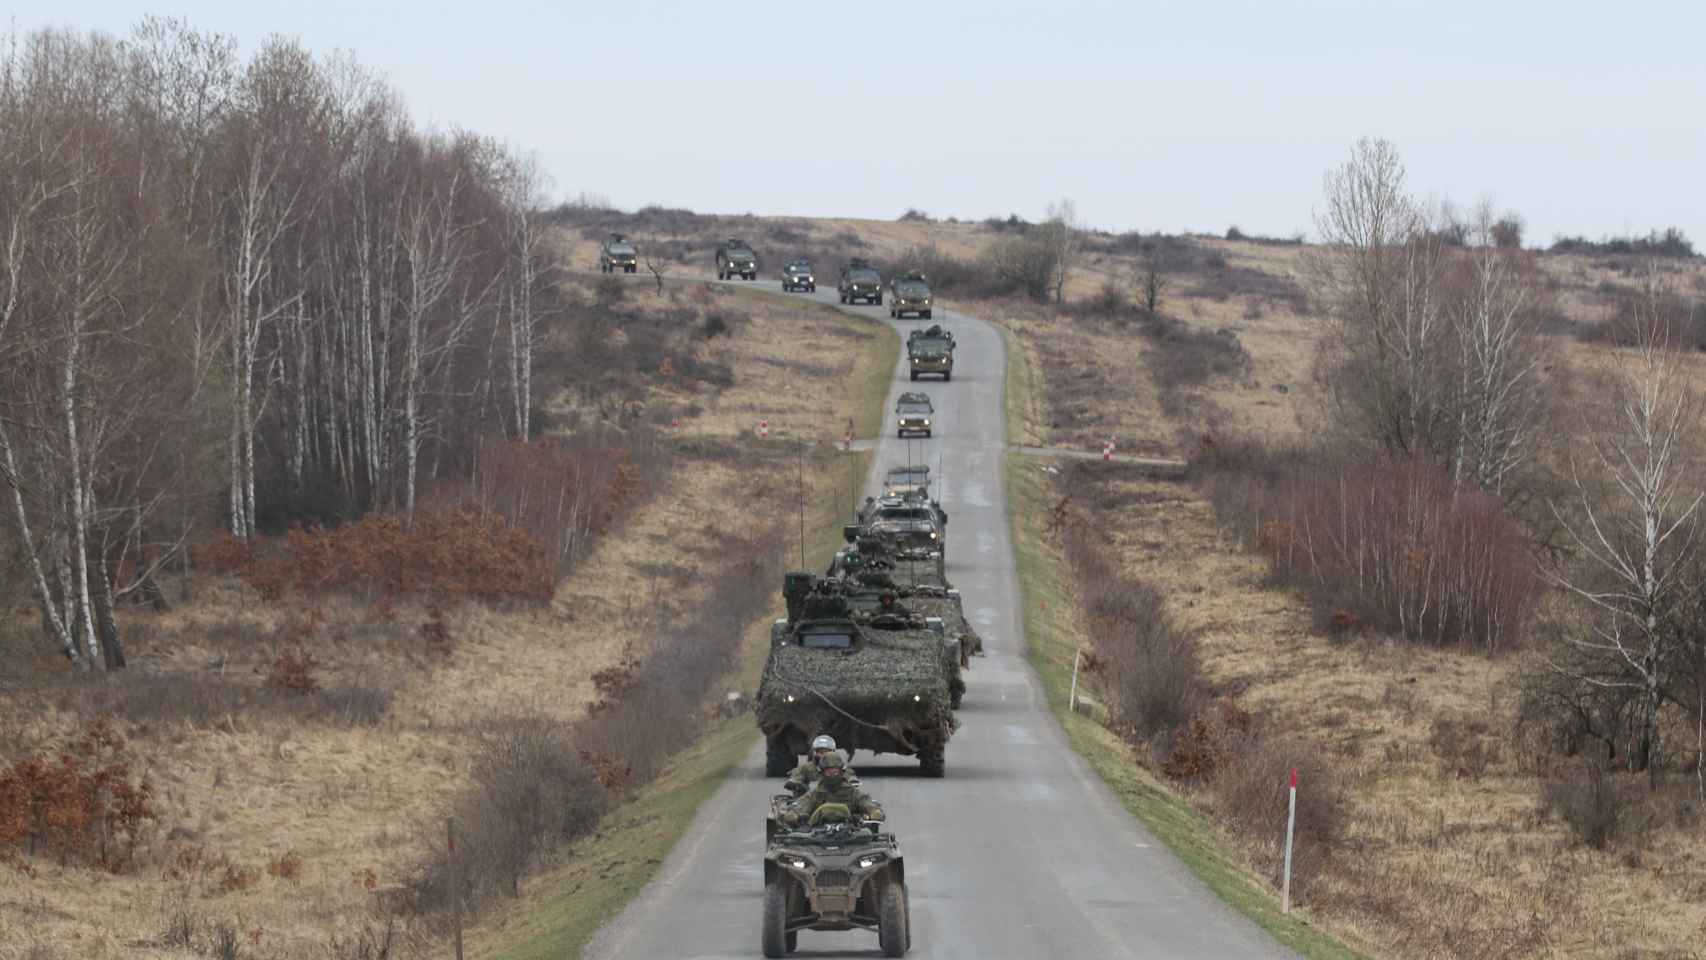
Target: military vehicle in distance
736	259
797	275
930	358
860	281
914	527
835	874
910	478
909	293
872	593
617	254
912	414
880	686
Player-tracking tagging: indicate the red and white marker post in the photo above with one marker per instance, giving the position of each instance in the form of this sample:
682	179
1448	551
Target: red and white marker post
847	440
764	428
1107	449
1290	825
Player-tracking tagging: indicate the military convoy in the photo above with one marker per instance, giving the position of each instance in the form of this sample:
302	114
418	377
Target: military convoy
860	282
797	275
736	259
909	293
617	254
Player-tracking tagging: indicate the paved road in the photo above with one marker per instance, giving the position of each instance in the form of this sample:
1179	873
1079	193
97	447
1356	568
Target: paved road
1020	851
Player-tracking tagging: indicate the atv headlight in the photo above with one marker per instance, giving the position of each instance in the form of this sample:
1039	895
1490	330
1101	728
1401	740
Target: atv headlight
795	862
866	863
917	699
788	697
932	534
927	421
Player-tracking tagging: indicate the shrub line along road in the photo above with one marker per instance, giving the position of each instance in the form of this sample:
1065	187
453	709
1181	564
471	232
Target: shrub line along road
1020	851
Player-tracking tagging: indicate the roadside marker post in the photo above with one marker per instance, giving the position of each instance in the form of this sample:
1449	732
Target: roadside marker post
1072	698
1290	826
764	428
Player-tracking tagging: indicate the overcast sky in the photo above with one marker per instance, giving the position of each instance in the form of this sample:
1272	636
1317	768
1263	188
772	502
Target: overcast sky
1583	117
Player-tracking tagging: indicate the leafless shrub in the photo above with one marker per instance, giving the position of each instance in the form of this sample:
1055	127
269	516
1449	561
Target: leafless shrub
1251	794
1595	806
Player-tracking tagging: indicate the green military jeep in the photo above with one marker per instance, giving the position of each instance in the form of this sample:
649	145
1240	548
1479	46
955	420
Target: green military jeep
909	293
736	259
912	414
860	282
617	254
797	275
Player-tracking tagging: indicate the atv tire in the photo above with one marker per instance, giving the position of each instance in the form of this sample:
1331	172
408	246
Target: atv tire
933	761
891	920
778	759
775	936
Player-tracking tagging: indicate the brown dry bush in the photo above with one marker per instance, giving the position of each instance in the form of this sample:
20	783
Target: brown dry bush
1388	540
531	791
80	804
1250	792
1148	668
1598	807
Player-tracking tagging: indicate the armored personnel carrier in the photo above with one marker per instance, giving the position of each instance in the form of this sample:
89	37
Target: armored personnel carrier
617	254
930	356
797	275
835	873
736	259
909	293
875	599
860	282
881	685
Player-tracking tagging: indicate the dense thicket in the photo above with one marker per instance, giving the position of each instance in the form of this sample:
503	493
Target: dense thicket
247	292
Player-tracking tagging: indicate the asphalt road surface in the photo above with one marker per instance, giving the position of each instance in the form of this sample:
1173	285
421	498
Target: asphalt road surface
1020	851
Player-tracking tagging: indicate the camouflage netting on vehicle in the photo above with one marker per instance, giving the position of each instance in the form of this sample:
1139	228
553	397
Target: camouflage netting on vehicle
935	602
894	680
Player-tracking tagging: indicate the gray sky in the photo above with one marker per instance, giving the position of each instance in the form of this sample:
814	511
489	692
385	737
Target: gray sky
1585	118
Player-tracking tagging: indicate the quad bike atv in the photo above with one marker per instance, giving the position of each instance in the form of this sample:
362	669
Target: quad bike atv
834	874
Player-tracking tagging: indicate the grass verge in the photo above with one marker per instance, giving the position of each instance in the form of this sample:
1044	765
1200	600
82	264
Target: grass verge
1051	638
562	909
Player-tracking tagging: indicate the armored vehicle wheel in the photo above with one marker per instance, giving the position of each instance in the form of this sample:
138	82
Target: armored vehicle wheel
812	288
793	940
632	269
926	314
955	698
933	761
879	300
891	920
915	375
778	759
947	377
775	937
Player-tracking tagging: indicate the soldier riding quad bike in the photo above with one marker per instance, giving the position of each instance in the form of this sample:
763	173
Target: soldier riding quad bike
736	259
909	293
881	687
797	275
617	254
834	872
860	282
912	414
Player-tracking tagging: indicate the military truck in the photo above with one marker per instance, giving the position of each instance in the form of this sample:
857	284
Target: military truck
912	414
860	282
909	293
914	527
930	358
617	255
797	275
909	478
835	873
935	331
880	686
736	259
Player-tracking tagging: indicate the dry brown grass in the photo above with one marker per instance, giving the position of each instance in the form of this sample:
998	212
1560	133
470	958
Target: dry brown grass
303	828
1448	848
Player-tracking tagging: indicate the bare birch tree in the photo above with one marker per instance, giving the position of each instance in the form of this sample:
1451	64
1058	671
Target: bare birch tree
1638	537
1063	233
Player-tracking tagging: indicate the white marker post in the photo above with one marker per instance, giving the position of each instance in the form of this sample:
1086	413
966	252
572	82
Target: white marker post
1290	825
1072	700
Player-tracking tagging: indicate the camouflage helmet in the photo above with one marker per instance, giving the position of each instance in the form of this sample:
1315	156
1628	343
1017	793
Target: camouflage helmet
833	760
823	742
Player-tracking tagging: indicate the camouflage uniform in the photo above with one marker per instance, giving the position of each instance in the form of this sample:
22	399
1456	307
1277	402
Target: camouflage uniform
838	790
806	774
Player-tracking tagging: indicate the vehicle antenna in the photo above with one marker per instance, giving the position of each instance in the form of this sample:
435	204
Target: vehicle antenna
802	503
